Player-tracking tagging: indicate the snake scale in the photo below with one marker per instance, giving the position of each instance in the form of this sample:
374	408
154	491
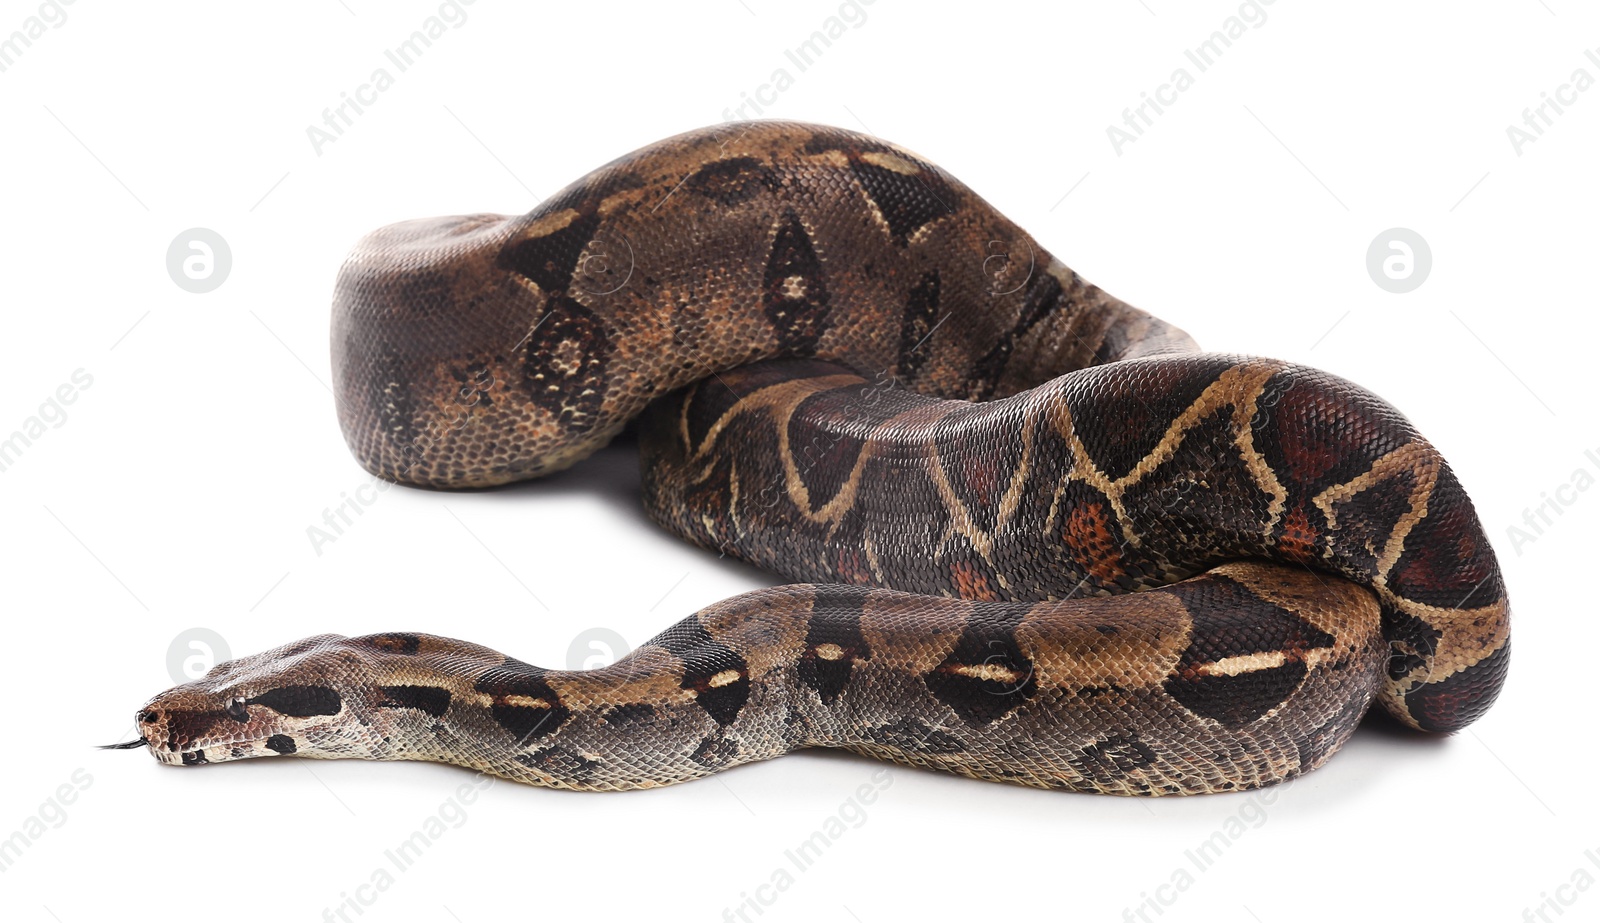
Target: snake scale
1042	538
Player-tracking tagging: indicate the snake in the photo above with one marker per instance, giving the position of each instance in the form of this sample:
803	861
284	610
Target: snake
1035	534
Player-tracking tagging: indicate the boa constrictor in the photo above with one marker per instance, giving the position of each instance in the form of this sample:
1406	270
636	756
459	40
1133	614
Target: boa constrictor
1045	539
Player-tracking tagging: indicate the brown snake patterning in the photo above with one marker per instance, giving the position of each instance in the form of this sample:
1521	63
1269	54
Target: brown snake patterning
1043	538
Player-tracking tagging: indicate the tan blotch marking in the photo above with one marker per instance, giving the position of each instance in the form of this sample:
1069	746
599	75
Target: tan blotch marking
1467	636
870	547
618	200
724	678
829	651
550	223
1243	663
650	674
794	287
1068	650
990	671
523	701
733	496
891	162
1345	610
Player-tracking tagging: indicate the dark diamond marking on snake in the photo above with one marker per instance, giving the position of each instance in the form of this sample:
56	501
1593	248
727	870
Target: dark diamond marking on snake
549	261
1447	562
1215	603
978	470
825	462
733	181
719	677
833	641
300	701
1231	622
281	743
522	702
1366	519
795	296
1189	487
1143	405
564	364
430	699
986	676
1235	701
906	202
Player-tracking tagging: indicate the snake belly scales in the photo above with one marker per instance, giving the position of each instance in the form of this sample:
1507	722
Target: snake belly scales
1041	537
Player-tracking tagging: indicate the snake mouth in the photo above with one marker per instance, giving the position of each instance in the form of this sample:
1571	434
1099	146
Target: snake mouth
217	751
224	751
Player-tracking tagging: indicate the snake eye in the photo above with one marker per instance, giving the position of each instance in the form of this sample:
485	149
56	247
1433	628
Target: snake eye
236	709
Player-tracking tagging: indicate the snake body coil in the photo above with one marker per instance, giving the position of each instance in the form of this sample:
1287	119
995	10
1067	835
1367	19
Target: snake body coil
1045	539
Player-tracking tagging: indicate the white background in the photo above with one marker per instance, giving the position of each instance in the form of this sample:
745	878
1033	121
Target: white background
178	491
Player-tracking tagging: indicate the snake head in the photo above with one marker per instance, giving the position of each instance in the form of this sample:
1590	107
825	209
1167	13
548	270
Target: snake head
302	698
